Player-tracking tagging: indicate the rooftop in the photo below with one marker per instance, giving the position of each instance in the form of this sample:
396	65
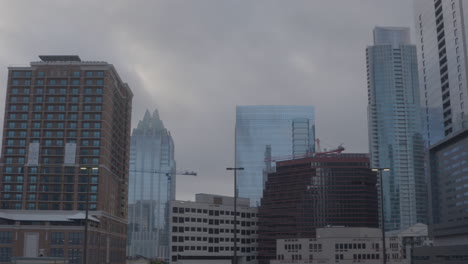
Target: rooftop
59	57
45	215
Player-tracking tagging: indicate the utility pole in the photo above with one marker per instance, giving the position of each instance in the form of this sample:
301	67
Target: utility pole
85	242
235	211
382	218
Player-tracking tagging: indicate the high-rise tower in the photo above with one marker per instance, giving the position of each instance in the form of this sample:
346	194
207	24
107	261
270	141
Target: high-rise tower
66	140
263	132
395	138
151	189
441	32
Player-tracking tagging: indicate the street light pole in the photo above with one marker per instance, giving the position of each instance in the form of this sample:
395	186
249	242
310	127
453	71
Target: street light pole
235	211
85	243
382	218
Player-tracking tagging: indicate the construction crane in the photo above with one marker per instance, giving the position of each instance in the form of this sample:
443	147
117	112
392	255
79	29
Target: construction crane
319	152
338	150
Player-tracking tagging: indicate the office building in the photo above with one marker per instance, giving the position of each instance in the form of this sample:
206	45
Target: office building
62	115
151	188
315	192
203	231
448	189
394	123
267	132
348	245
441	34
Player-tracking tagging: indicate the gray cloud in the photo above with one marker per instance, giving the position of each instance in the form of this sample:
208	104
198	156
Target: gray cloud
196	60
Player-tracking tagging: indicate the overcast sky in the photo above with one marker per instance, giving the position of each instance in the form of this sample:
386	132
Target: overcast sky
195	60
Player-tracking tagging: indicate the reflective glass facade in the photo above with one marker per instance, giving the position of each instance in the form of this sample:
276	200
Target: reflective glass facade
267	133
395	138
151	188
449	189
442	49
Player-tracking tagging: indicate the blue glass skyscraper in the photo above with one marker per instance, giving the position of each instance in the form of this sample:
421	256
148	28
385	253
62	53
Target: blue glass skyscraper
267	132
395	138
151	188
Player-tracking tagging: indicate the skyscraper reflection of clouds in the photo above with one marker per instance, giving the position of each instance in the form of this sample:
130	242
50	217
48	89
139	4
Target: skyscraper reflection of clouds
152	187
263	132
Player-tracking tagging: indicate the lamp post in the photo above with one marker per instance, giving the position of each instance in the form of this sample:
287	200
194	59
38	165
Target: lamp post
235	211
85	242
382	219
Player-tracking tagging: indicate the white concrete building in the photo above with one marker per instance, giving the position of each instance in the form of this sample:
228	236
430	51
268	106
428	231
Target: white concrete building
346	245
203	231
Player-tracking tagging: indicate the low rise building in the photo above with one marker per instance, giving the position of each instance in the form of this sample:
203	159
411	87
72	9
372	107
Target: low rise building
39	260
346	245
203	231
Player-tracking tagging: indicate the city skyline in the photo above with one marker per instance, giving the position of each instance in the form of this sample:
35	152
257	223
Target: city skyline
259	99
191	58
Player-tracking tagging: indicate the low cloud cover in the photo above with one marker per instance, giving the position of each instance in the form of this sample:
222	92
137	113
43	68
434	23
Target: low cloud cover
196	60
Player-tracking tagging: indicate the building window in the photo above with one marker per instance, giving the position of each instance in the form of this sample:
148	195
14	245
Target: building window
75	238
56	252
57	238
5	254
74	256
6	237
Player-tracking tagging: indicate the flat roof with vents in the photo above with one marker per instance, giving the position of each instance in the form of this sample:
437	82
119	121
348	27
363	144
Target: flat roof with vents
59	58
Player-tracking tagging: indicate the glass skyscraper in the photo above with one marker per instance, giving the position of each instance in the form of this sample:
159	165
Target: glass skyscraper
441	37
395	138
151	188
265	133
